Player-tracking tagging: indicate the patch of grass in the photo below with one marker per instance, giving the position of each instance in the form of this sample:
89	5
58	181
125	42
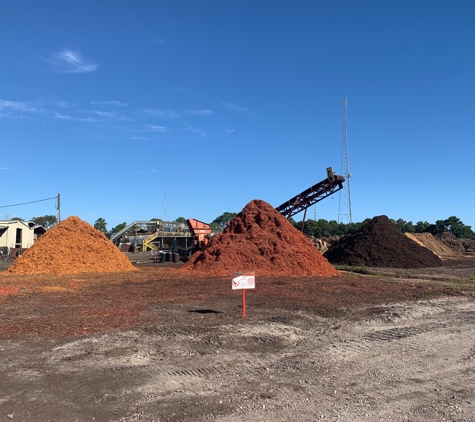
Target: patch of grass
471	277
459	284
456	284
360	270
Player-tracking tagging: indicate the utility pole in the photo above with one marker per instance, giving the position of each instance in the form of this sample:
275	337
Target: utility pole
344	209
58	207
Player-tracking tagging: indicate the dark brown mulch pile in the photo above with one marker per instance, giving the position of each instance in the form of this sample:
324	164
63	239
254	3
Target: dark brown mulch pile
380	244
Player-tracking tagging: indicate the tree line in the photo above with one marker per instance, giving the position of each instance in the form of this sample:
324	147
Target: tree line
324	228
316	228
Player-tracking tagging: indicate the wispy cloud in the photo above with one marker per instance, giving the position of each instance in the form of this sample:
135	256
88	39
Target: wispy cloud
182	90
153	37
19	109
155	128
160	114
173	114
190	128
111	103
110	114
235	107
230	130
69	61
199	112
75	118
140	138
18	106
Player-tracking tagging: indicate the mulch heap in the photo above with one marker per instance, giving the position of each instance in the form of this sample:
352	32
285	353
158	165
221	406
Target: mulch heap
71	247
260	239
430	242
380	244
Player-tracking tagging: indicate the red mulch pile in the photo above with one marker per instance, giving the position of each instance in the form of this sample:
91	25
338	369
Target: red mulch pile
380	244
71	247
260	239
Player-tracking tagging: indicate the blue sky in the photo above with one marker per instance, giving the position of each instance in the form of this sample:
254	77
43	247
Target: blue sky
116	104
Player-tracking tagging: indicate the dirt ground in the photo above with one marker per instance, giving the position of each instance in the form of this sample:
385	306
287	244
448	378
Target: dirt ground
153	345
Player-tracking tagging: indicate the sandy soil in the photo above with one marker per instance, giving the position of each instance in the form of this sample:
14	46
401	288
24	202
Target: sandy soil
153	345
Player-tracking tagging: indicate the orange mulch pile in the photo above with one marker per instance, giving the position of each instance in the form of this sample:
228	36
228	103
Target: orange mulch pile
260	239
71	247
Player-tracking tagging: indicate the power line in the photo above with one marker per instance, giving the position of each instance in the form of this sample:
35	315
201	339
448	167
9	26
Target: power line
26	203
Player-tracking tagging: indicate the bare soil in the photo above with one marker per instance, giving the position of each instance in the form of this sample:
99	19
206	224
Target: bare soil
158	345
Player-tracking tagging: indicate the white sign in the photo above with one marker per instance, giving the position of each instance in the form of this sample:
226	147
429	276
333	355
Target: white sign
243	281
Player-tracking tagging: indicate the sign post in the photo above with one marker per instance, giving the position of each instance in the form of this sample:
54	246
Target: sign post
243	281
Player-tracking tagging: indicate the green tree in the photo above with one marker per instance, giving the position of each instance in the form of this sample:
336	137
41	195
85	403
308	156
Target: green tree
220	222
409	227
47	221
437	228
101	225
181	220
16	219
119	227
310	227
455	226
421	226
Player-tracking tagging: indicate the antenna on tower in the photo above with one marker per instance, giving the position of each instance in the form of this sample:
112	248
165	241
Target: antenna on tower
344	209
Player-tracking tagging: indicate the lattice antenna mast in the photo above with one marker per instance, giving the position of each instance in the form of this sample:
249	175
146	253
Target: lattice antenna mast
344	209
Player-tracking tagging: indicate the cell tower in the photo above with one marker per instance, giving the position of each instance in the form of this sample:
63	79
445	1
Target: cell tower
344	209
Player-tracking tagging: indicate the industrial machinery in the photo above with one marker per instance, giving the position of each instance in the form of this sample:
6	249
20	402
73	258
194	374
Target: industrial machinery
200	231
333	183
144	236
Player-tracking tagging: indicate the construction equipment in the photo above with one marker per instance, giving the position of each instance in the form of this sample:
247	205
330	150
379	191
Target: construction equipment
333	183
201	231
143	236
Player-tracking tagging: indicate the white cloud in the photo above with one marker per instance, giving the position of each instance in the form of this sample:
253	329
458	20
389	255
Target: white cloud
111	103
111	114
200	112
230	130
190	128
235	107
62	116
155	128
173	114
16	106
161	114
182	90
155	170
75	118
68	61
